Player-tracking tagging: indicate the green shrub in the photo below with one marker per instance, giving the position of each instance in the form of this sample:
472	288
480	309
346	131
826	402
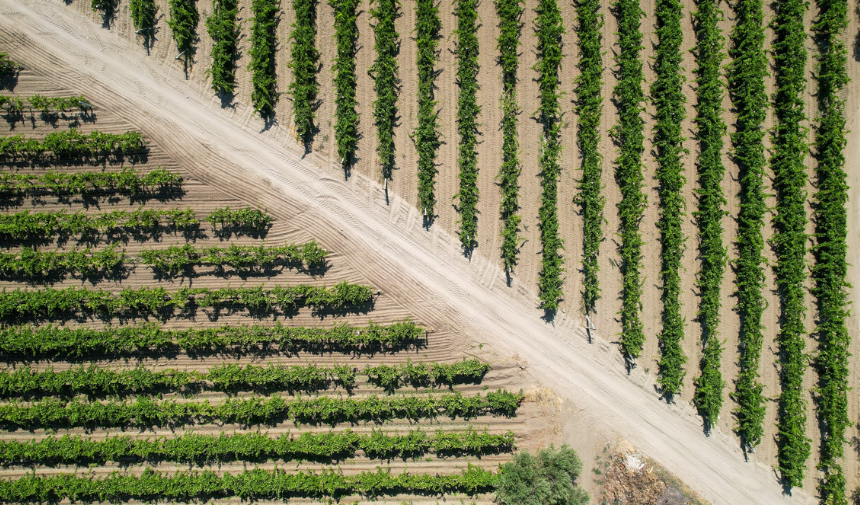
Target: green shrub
547	478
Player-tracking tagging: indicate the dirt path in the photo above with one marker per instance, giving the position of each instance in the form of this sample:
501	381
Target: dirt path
423	270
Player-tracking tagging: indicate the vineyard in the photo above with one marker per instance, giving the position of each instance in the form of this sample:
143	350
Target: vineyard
135	299
669	184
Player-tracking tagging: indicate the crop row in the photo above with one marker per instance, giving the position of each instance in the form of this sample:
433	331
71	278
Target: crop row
53	303
264	40
177	259
789	241
426	134
126	182
746	78
143	17
628	136
25	225
223	29
830	269
34	265
145	412
510	28
46	104
549	26
304	60
70	143
667	93
65	342
345	80
386	82
467	120
98	381
184	17
710	130
589	108
193	448
250	485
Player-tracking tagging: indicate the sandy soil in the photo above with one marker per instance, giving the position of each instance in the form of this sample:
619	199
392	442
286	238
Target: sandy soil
424	269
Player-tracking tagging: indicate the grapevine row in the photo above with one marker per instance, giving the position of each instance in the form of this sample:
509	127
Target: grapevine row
789	241
70	143
70	343
305	58
386	82
178	259
184	17
125	182
629	137
467	120
54	304
510	26
831	229
549	27
667	94
223	29
97	381
46	104
746	77
143	17
193	448
264	81
345	80
251	485
247	411
710	130
34	265
589	108
426	134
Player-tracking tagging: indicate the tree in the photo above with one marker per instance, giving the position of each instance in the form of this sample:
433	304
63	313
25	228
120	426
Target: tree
547	478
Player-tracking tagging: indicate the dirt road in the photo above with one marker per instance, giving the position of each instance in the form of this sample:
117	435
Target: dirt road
422	269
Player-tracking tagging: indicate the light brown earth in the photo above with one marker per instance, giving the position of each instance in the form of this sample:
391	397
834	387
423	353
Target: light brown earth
424	269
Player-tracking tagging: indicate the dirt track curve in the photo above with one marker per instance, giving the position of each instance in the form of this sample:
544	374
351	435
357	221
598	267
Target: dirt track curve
422	269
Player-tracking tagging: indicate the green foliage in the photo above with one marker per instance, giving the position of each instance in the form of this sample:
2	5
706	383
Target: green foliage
251	485
789	240
223	28
667	94
125	182
746	76
71	144
547	478
25	225
253	220
8	67
54	304
426	135
831	230
95	381
386	82
183	22
32	264
305	58
628	136
200	449
423	374
66	342
247	411
178	259
467	120
510	27
345	80
264	40
549	27
589	108
46	104
143	16
710	130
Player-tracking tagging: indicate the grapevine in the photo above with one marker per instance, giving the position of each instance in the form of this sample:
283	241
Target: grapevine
263	41
304	64
386	82
467	120
223	29
426	134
